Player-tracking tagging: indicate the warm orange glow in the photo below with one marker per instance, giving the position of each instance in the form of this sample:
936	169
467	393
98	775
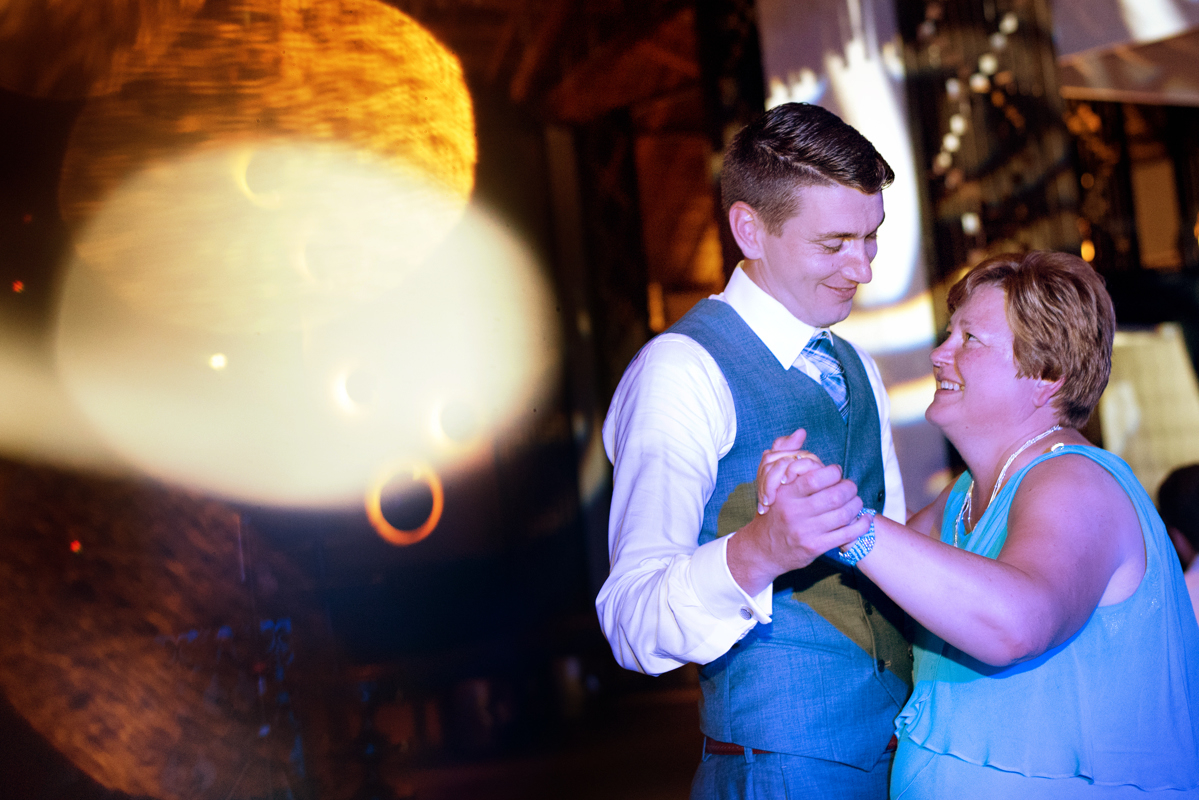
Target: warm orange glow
353	72
288	188
69	49
1087	251
284	160
18	286
374	507
270	189
657	307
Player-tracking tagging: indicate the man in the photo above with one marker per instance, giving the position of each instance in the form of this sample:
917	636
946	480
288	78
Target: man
803	666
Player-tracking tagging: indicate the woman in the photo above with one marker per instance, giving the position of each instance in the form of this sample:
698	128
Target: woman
1054	658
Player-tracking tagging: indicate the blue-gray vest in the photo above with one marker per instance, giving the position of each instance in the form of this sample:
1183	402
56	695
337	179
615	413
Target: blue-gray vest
827	676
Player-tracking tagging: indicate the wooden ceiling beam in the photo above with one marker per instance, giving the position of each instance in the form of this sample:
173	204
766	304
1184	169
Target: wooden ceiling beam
683	65
537	50
503	45
646	62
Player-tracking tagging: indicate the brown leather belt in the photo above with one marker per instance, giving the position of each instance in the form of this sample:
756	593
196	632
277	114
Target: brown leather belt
728	749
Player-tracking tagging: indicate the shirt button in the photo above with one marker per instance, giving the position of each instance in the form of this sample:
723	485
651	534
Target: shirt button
882	495
746	614
869	608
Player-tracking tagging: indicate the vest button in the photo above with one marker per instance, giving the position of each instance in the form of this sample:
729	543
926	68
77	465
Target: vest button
869	608
882	495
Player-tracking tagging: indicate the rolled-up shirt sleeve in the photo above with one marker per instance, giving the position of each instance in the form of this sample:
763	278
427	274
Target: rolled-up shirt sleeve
667	601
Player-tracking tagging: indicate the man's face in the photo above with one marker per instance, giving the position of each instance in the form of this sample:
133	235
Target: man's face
813	267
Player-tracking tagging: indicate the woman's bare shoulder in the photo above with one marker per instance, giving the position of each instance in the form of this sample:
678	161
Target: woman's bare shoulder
1071	482
1071	513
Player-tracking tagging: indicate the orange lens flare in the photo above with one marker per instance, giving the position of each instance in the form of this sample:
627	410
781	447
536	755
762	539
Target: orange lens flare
374	504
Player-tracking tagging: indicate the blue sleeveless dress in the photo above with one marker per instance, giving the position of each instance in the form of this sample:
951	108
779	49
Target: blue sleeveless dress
1113	712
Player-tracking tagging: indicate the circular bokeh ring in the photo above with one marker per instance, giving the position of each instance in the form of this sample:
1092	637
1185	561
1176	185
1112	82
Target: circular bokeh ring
374	505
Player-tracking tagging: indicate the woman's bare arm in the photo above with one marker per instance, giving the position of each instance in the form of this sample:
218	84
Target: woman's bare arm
1073	542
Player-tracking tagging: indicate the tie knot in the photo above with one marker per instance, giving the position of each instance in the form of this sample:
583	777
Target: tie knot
819	349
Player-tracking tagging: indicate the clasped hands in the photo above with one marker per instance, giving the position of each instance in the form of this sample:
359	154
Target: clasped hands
805	508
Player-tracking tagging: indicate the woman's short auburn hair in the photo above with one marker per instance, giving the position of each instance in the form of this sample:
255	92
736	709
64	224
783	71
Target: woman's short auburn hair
1062	323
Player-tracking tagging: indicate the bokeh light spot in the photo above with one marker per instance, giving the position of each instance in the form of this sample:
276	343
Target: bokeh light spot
459	422
356	76
361	386
261	188
474	323
190	245
218	361
18	286
76	546
279	163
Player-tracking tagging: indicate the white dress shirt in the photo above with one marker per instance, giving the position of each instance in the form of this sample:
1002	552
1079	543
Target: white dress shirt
667	601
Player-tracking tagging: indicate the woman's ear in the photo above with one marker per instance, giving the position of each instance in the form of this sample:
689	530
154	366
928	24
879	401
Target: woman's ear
747	229
1046	390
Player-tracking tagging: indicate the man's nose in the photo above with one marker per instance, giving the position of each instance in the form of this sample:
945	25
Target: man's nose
857	266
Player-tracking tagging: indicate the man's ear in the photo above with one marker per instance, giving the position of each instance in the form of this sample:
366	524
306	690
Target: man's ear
747	228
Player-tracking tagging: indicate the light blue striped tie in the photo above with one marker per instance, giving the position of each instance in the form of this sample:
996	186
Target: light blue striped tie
819	352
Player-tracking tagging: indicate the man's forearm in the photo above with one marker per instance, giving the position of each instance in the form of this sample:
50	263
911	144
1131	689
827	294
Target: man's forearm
687	608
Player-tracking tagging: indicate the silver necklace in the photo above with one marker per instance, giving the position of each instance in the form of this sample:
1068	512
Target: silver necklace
964	513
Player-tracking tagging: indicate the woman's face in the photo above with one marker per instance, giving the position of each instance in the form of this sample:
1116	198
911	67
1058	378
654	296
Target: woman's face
976	372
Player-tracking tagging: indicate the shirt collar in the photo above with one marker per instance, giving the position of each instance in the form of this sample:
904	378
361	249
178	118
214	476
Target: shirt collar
782	333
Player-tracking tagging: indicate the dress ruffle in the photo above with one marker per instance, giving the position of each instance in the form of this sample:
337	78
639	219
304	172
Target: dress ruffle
1117	704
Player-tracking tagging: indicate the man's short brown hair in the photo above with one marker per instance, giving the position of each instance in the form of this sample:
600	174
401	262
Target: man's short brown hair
792	146
1062	323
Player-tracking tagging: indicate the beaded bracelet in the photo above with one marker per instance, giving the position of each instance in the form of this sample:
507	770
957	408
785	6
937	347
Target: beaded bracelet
863	544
